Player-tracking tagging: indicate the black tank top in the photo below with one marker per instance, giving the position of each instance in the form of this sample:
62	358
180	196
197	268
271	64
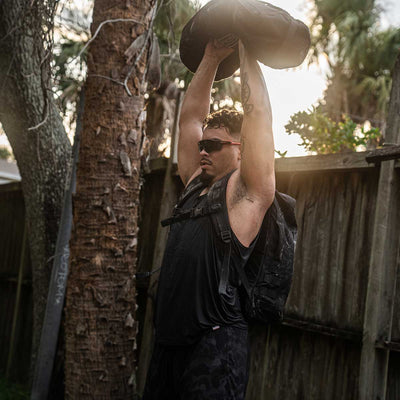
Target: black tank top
188	302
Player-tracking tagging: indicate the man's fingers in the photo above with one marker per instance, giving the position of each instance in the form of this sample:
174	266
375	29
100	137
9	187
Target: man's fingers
242	52
229	40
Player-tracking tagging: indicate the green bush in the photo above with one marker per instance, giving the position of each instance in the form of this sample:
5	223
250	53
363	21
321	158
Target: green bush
5	154
320	134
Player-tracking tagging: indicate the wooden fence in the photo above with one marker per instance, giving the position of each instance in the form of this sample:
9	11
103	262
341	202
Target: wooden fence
316	352
340	338
15	286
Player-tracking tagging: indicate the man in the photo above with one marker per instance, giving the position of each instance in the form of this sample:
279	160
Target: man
201	349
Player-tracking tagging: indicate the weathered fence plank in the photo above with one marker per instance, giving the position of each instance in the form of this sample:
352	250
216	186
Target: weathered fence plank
12	215
168	198
292	364
325	162
333	213
383	264
391	152
11	349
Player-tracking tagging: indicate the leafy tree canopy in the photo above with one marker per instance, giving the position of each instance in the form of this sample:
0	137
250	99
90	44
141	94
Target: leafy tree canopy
361	56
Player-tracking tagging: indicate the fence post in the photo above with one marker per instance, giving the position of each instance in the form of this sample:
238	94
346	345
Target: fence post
17	302
382	273
169	196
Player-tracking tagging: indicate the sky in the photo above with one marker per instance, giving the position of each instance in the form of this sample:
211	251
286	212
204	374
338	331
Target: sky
294	89
297	89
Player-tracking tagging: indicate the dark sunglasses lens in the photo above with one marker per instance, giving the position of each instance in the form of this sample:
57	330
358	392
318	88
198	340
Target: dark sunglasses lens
209	145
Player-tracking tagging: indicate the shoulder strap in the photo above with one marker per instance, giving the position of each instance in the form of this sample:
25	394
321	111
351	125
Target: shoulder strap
177	215
287	205
194	185
217	196
195	212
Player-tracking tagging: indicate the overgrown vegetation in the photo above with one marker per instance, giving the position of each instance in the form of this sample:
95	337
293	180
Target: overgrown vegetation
321	134
361	56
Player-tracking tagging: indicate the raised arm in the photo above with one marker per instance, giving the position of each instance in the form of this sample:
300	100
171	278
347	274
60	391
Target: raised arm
195	108
257	149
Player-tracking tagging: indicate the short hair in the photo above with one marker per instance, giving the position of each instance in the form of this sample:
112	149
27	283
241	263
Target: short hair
225	118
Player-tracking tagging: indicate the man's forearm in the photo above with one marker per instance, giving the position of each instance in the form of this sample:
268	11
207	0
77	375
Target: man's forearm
195	108
257	150
196	104
254	93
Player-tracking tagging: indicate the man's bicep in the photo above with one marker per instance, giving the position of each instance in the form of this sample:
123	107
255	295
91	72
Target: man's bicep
257	150
188	153
257	158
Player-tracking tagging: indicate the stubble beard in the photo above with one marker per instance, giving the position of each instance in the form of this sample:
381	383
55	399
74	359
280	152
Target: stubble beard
205	178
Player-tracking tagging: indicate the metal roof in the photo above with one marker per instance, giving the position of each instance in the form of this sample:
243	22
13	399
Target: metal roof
9	172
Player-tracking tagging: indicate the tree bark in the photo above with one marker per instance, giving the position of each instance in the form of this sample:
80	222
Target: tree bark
42	154
101	297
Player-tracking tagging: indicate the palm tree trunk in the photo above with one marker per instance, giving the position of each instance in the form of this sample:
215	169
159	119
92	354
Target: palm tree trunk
100	312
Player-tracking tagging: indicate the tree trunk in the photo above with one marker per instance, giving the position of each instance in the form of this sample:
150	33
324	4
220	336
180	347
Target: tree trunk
42	154
101	297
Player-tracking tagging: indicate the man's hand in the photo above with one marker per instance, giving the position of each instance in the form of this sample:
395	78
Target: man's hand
217	51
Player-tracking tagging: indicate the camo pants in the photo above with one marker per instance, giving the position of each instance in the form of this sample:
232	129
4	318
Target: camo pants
215	368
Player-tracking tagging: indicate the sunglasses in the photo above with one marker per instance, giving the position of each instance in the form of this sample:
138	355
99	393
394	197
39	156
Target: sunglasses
210	145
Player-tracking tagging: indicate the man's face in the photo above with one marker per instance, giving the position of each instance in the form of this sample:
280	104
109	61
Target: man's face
216	164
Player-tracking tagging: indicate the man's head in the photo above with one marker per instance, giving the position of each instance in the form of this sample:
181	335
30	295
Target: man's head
223	125
229	119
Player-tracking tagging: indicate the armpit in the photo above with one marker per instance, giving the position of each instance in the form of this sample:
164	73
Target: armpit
239	193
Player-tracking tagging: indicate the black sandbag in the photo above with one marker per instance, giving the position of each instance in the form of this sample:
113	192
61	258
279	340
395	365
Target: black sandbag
271	34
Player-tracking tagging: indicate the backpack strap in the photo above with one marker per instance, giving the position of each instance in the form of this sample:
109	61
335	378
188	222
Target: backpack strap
217	196
224	232
195	212
287	205
194	185
178	214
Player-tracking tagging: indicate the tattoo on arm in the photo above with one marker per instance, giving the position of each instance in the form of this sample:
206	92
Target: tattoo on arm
247	108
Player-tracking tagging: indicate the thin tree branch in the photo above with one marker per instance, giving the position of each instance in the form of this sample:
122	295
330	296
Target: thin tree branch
98	30
108	78
32	128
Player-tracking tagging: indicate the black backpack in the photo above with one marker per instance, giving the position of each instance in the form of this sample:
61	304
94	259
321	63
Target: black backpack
267	275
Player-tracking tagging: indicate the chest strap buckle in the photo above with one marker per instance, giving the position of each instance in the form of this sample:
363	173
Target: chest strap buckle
226	236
